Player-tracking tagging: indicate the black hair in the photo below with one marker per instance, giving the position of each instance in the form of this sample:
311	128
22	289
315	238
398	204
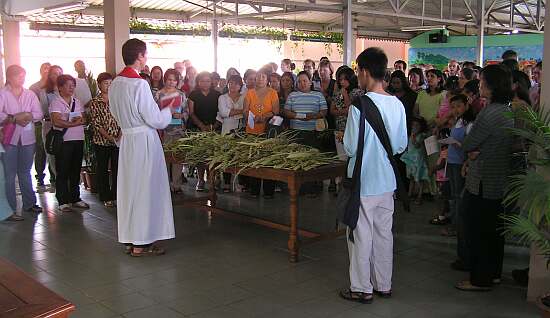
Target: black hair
460	98
236	79
472	86
539	65
289	75
468	64
513	65
103	77
468	73
439	75
401	76
131	50
161	82
401	62
50	84
417	71
247	73
292	66
215	75
171	71
421	121
498	79
509	54
349	75
375	61
452	84
522	86
304	73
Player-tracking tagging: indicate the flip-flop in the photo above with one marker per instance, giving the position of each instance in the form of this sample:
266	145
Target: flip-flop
467	286
15	218
381	294
149	251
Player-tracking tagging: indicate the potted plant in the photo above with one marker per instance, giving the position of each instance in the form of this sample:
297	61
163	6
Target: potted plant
530	192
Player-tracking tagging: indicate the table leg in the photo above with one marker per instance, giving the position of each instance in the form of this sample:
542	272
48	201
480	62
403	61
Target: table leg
293	189
212	188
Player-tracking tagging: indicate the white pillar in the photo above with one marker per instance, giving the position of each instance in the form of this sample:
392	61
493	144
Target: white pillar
215	43
117	31
481	31
349	38
10	37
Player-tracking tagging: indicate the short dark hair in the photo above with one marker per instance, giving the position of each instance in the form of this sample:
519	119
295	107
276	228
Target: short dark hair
131	50
174	72
468	64
523	84
304	73
235	79
441	78
103	77
468	73
375	61
539	65
309	61
509	54
401	62
460	98
418	71
472	86
215	75
511	64
64	78
248	72
499	80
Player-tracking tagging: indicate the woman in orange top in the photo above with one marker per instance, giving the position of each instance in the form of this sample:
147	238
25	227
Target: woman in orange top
263	102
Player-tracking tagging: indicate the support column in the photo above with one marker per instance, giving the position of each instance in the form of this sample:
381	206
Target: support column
545	84
214	35
481	31
349	38
117	31
10	37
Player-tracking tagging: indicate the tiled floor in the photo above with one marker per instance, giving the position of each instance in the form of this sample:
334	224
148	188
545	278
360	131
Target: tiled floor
222	268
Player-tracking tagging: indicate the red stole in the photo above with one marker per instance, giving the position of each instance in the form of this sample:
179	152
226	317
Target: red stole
129	72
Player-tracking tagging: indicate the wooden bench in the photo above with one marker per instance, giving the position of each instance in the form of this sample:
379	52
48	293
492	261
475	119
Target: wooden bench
23	297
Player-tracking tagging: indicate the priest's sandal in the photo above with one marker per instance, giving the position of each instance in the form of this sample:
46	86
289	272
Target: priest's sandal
383	294
363	298
148	251
467	286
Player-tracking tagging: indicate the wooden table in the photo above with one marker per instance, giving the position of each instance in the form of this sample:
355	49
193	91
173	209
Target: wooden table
294	179
23	297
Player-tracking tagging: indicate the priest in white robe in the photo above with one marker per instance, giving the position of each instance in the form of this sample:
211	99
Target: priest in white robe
144	210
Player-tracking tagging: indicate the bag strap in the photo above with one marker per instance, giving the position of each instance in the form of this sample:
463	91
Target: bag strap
373	116
72	110
356	176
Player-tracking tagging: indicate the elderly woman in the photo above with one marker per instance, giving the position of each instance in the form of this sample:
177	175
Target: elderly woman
19	110
489	149
66	112
261	103
304	108
106	135
203	111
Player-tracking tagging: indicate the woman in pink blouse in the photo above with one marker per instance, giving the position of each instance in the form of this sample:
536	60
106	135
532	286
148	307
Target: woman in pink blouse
19	110
66	112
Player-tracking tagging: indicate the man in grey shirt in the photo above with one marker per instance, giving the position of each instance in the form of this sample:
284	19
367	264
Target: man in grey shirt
40	155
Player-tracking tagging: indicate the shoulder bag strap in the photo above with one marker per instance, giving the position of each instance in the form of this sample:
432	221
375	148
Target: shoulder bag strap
375	120
72	110
356	177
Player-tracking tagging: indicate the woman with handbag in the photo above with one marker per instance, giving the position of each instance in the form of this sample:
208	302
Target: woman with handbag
66	112
260	105
106	135
19	110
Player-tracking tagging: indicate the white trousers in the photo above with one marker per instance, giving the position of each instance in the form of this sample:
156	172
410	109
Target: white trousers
371	255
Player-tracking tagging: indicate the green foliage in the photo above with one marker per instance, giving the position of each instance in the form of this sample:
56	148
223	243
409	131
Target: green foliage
531	192
92	84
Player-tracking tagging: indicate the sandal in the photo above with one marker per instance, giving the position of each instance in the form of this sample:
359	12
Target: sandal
109	204
363	298
148	251
467	286
15	218
128	249
439	220
382	294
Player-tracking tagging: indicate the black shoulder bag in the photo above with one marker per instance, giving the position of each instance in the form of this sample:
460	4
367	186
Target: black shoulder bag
54	138
349	199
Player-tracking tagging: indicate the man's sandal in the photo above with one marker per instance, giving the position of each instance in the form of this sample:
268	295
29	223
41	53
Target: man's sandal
382	294
148	251
363	298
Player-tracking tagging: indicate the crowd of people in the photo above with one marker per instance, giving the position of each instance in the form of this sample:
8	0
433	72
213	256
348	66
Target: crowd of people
448	135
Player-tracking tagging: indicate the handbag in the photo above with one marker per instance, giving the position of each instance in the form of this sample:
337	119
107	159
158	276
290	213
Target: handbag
349	198
54	138
7	131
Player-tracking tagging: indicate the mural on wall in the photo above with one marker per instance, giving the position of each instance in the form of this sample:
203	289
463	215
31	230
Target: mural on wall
440	57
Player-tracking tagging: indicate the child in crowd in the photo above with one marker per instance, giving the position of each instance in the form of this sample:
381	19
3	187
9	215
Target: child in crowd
415	158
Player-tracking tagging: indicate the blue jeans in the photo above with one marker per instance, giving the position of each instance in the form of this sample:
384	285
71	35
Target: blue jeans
456	182
18	162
